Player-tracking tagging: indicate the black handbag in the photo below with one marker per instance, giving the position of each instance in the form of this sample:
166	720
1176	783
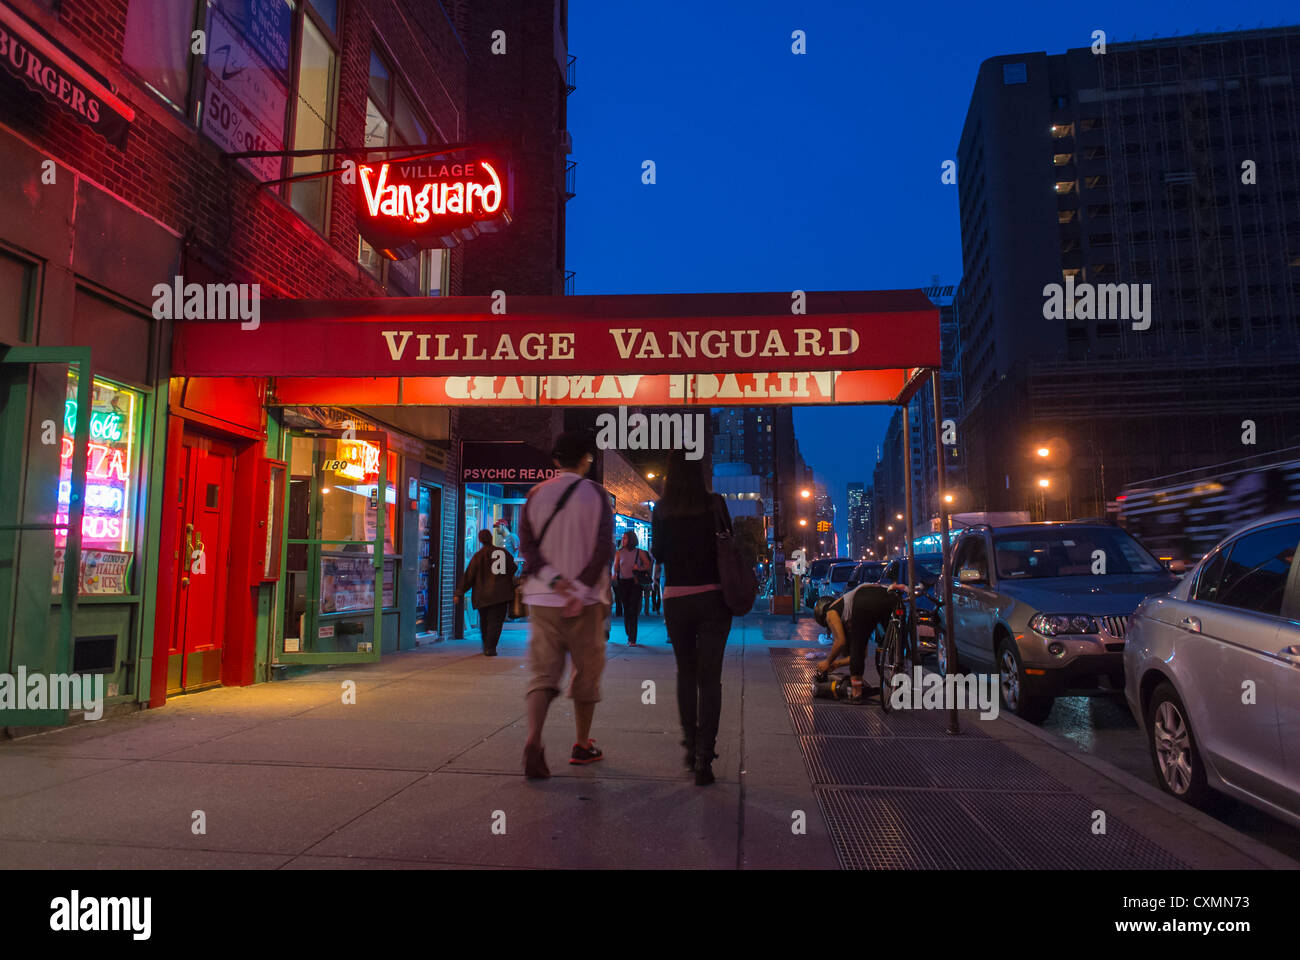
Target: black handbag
739	583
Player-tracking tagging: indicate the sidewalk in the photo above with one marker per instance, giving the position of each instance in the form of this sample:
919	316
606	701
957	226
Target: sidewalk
418	771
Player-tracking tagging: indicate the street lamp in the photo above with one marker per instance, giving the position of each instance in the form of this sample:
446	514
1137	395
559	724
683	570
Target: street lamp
805	493
803	523
650	476
1044	452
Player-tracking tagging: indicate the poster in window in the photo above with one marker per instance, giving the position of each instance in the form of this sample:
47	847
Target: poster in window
267	25
245	103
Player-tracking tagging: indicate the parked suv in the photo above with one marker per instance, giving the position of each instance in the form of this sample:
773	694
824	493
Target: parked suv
1213	672
818	571
1047	605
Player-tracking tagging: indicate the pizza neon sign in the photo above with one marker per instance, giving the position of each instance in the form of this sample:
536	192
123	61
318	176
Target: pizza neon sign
405	206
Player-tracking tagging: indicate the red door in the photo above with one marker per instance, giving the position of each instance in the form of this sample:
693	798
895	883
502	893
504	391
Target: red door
201	512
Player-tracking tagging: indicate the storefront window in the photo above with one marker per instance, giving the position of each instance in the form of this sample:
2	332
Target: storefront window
641	528
112	465
350	494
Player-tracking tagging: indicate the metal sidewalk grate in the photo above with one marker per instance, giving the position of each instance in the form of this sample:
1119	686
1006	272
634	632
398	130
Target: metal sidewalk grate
1054	832
907	830
867	720
983	764
898	792
854	762
791	672
837	720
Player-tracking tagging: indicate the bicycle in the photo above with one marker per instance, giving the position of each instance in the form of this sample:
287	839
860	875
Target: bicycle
894	653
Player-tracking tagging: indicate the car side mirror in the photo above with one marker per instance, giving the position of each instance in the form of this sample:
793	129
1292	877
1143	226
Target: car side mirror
970	575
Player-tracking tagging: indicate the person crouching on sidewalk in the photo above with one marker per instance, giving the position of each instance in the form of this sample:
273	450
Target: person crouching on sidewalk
566	535
491	578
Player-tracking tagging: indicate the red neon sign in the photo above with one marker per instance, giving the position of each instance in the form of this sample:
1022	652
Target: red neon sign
403	206
105	463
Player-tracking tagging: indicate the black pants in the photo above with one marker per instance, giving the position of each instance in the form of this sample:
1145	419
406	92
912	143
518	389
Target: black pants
629	594
697	627
490	621
860	636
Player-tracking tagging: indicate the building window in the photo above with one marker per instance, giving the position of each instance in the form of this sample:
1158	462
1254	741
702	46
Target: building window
112	487
1014	73
392	120
158	45
314	108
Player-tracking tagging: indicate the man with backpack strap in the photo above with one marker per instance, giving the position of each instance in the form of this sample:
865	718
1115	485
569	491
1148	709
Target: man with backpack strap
566	537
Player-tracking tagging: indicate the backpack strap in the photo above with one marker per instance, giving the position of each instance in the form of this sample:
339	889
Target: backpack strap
564	498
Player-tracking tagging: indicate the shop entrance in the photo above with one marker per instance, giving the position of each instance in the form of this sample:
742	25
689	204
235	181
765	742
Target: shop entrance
427	608
201	512
338	527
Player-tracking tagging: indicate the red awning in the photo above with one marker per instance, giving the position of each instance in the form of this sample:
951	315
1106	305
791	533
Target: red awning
645	350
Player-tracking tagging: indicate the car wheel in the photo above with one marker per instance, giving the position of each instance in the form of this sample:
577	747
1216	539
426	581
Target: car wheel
1011	681
1174	754
941	655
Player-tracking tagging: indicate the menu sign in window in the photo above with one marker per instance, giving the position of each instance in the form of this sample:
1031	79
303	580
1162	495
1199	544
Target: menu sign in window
108	519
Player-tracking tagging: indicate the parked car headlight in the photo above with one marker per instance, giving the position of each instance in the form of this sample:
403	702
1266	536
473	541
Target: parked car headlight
1053	624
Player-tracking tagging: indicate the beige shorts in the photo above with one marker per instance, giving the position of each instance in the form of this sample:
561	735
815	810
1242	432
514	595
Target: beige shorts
582	638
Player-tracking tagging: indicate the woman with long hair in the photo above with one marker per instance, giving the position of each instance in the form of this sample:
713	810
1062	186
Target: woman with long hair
684	541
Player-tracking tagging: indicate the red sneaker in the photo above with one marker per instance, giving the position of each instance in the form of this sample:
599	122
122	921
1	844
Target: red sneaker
588	754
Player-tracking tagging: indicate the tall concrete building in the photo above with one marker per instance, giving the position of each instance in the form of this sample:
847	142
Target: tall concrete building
1168	167
763	438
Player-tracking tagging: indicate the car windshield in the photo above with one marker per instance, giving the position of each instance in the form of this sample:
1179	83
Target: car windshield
841	573
870	572
1087	551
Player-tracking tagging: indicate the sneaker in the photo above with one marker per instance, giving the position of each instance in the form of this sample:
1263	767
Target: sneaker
535	763
588	754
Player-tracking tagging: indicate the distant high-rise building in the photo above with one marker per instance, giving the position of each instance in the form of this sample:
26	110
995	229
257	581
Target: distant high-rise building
763	438
859	520
1121	182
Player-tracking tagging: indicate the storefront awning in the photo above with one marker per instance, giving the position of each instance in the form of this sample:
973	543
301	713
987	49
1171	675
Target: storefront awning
645	350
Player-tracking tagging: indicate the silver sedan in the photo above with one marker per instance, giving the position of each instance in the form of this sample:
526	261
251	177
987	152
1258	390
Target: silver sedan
1212	672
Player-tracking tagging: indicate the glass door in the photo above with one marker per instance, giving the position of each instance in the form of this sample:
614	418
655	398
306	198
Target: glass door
44	446
337	525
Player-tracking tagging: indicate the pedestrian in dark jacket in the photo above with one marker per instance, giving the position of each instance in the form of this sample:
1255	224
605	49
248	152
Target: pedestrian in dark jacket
491	578
683	539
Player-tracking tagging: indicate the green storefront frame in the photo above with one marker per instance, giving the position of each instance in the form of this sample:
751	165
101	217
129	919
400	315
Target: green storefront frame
323	444
42	638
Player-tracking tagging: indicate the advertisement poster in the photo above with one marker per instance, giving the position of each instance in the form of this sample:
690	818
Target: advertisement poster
245	102
267	25
102	572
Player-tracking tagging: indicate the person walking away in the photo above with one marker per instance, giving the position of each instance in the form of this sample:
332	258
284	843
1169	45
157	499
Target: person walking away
566	535
631	566
490	576
684	539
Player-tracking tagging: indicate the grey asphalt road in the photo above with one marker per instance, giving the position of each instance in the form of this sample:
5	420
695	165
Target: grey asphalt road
1104	728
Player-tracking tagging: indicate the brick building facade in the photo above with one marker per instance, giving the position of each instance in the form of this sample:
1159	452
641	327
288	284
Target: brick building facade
89	227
